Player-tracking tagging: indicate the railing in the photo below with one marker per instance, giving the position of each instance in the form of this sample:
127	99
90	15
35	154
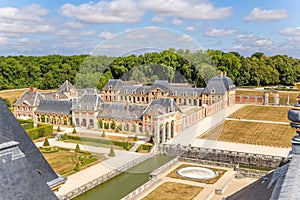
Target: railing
141	188
163	168
207	162
251	173
223	156
97	181
154	177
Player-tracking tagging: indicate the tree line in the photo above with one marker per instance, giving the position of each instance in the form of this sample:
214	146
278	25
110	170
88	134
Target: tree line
48	72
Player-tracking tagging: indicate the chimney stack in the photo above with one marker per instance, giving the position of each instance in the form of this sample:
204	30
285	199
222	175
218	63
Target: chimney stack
31	89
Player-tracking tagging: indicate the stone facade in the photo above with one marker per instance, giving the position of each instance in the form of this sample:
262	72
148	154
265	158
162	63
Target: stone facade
161	110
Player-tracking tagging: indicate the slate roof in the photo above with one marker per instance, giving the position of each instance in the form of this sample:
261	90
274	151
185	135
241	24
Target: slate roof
289	189
220	84
55	107
20	178
54	95
162	105
81	92
30	98
185	91
66	87
88	102
267	187
115	84
121	111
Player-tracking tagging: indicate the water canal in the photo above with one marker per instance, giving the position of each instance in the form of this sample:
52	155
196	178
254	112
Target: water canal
126	182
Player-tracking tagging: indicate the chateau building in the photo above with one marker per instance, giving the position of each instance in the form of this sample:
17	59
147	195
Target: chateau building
28	103
161	110
218	88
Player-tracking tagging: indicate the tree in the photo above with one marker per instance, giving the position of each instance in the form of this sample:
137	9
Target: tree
113	125
100	123
77	148
112	152
77	167
46	143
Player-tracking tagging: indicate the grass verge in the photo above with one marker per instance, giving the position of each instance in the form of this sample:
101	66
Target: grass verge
170	190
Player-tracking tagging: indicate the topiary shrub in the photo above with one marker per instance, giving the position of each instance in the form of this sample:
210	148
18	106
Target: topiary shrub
74	131
112	152
135	138
46	143
58	129
103	134
64	137
77	148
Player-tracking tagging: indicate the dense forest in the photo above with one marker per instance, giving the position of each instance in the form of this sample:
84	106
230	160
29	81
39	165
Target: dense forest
47	72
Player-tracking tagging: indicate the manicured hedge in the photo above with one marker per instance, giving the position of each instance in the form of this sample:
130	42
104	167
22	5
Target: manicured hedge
42	130
26	124
144	147
125	145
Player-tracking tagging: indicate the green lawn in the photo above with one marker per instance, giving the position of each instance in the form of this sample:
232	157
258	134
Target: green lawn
63	160
178	191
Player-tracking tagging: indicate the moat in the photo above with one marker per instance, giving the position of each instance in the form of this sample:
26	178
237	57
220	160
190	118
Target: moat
126	182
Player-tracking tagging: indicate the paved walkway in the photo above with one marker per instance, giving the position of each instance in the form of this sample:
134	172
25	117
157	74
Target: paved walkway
247	148
86	175
189	135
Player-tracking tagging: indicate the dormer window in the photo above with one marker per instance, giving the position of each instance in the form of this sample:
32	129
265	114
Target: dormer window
213	90
109	87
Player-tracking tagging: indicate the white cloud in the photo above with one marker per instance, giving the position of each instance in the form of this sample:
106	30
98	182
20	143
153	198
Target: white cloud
258	14
251	40
24	20
190	29
183	9
28	13
291	31
158	19
176	21
72	24
117	11
212	32
106	35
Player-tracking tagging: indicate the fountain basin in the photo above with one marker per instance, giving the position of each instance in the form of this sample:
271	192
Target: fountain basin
197	173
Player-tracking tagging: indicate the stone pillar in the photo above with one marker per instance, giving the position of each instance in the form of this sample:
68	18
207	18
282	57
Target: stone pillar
156	132
266	99
169	131
163	139
276	99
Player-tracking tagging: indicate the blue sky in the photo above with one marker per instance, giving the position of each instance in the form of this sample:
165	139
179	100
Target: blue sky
78	27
